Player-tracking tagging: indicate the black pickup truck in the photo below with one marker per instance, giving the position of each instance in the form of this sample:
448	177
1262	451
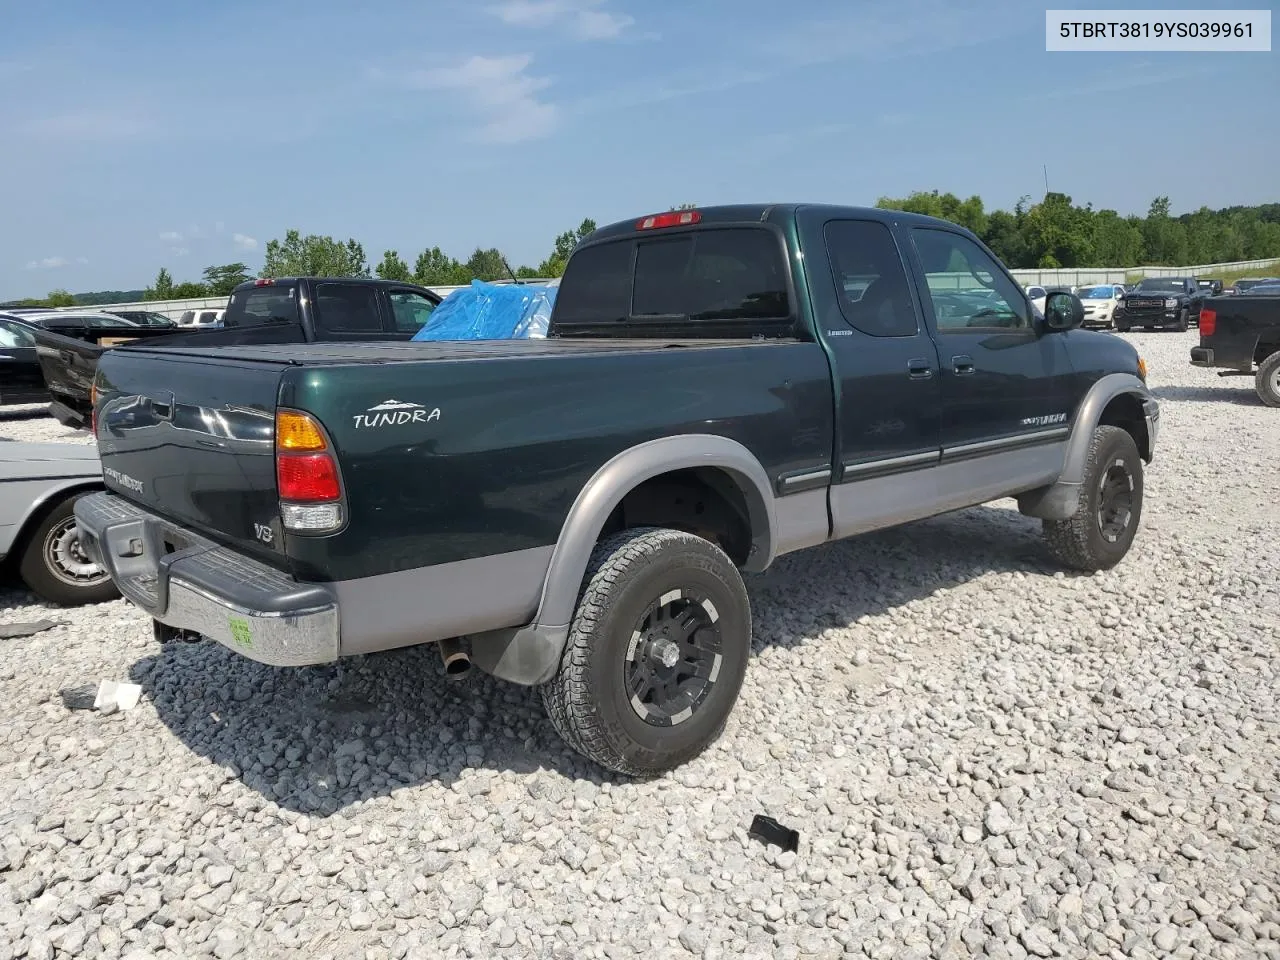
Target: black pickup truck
1161	302
720	387
1241	335
287	310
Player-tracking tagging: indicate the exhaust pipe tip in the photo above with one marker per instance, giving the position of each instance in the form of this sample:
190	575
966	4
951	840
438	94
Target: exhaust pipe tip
456	657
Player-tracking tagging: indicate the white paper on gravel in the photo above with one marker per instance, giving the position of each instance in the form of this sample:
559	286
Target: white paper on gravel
113	696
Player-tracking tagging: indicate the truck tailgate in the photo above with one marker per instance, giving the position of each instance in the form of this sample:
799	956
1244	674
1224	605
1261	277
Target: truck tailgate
193	441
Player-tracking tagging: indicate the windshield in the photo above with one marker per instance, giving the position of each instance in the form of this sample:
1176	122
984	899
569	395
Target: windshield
1097	293
1161	286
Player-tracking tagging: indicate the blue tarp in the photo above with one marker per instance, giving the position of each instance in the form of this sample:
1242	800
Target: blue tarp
490	311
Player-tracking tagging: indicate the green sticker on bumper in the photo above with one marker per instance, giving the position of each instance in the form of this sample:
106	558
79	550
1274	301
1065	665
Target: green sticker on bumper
240	632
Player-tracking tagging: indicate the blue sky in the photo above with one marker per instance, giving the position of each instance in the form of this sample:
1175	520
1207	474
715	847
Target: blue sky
188	134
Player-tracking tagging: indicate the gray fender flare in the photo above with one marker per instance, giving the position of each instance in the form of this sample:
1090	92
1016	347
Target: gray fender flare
1058	500
531	654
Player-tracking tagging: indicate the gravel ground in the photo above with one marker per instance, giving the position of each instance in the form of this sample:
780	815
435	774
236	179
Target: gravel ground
983	757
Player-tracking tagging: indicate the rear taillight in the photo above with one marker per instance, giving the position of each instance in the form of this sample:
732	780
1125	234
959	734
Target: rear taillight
307	477
1208	321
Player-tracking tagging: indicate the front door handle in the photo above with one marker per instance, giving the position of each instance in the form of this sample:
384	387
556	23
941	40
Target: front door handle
962	366
919	369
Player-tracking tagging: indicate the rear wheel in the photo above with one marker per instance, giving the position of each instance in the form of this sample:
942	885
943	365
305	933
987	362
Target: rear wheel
656	652
54	564
1098	535
1267	380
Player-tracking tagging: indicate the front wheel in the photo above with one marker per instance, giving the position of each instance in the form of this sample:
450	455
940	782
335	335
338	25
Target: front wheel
656	652
1267	380
1098	535
54	564
1181	325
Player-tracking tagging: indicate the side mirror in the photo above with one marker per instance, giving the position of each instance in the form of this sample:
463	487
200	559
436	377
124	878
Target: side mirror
1063	311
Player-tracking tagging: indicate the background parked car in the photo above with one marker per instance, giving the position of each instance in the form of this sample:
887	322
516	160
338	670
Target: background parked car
1211	288
201	318
144	318
1161	302
1100	302
39	485
20	378
1036	294
1246	283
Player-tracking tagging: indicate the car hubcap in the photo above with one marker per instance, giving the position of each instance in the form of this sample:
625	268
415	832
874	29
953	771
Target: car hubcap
674	658
67	559
1115	501
1275	382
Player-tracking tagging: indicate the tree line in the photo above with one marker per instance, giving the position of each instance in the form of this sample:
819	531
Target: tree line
1057	233
295	255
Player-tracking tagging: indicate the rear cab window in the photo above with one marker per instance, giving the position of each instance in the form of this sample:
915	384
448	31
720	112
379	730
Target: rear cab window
257	306
349	309
717	281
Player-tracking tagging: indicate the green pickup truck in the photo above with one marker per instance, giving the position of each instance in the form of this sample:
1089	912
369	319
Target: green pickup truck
720	387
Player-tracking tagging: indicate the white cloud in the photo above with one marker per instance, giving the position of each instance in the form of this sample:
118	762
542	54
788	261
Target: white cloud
501	90
584	19
48	263
170	236
244	242
179	251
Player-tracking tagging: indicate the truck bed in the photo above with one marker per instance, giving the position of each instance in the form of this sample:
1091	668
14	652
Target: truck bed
325	354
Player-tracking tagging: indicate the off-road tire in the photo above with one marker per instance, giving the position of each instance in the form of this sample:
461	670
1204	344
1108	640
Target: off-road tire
1181	325
37	564
1078	542
587	699
1120	326
1267	380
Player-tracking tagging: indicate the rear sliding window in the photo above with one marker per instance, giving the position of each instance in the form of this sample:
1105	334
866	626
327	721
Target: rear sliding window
261	305
734	274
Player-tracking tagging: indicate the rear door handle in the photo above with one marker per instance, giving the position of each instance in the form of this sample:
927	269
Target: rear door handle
962	366
919	369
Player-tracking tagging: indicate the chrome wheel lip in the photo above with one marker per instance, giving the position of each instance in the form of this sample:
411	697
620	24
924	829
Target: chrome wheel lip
67	560
1116	489
1274	381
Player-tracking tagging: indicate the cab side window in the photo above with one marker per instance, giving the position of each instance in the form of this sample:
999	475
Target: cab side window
968	289
871	283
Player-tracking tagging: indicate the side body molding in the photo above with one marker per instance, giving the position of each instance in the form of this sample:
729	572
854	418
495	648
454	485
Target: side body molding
531	654
1058	500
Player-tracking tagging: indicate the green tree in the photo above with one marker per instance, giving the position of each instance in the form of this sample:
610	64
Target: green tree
222	280
189	291
162	289
434	268
60	298
554	265
1117	241
313	256
485	265
1057	233
392	267
1165	238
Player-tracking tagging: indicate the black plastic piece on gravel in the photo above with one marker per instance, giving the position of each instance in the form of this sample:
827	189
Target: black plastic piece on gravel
769	831
12	631
79	698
